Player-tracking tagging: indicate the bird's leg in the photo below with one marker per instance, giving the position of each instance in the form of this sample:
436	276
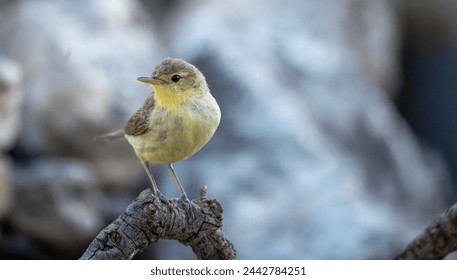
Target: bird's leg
181	189
155	189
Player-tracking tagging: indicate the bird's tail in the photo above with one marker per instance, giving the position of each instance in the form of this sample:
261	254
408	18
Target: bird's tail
111	136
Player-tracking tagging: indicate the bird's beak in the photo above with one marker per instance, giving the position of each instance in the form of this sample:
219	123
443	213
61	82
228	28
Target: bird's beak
150	80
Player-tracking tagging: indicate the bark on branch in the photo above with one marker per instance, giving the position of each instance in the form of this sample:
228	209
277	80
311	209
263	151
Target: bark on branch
437	241
148	218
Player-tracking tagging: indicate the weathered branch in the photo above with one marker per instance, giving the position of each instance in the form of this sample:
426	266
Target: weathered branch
437	241
148	218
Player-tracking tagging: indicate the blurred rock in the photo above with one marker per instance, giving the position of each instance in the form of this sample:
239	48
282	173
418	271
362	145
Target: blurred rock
6	188
311	161
81	60
58	201
10	102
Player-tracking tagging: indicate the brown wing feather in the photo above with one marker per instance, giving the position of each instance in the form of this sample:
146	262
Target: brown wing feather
138	123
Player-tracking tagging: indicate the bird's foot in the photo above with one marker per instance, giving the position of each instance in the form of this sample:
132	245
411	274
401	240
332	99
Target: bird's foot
157	193
183	197
187	205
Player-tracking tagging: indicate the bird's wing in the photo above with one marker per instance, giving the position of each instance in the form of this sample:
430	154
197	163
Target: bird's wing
138	123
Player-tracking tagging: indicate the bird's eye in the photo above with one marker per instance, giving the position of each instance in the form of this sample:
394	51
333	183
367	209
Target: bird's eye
175	78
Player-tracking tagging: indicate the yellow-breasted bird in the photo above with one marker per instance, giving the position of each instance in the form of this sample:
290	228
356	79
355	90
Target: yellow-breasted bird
175	121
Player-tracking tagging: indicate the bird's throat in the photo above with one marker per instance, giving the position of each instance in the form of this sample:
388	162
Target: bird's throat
169	100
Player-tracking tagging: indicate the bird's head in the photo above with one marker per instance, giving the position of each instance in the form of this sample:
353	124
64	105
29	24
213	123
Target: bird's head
176	81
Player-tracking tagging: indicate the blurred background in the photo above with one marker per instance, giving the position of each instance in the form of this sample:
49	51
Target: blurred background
338	131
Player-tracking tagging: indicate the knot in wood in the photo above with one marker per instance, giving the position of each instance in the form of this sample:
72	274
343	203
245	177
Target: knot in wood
151	209
115	237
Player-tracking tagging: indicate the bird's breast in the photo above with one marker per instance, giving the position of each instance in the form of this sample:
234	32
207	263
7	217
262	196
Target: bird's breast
173	136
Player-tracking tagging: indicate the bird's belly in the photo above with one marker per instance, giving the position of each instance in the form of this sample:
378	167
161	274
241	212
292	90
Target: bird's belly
159	146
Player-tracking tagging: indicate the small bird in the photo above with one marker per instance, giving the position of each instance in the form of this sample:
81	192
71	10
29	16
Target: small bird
175	121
